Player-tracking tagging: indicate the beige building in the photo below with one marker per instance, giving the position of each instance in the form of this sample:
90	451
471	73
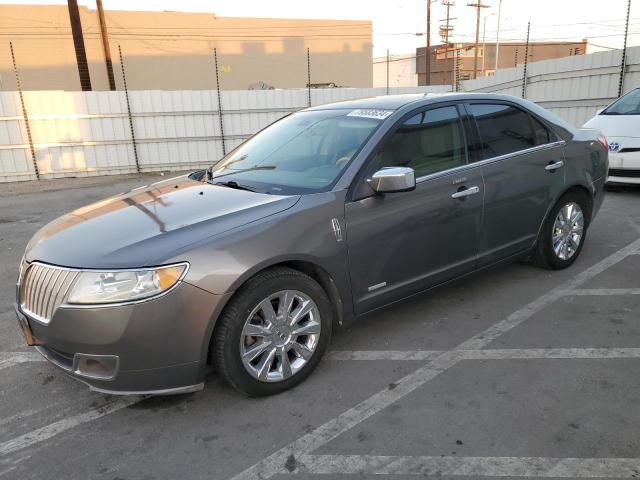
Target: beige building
510	54
174	50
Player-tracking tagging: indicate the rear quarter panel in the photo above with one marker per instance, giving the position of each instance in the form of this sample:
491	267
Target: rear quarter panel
587	161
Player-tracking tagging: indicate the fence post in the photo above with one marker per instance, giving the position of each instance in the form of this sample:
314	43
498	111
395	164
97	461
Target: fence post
526	60
126	96
387	71
25	117
623	64
215	61
308	77
456	77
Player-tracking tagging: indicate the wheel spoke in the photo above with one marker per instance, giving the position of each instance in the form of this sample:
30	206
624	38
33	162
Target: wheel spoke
285	364
576	216
558	247
284	306
267	311
566	212
310	328
253	330
264	366
299	313
254	351
574	242
302	350
565	250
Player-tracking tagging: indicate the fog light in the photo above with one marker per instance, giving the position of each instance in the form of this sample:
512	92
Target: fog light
102	367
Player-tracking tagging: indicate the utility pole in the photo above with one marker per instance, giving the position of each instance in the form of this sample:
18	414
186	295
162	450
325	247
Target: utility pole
448	29
498	35
78	43
105	46
623	64
445	33
427	63
478	5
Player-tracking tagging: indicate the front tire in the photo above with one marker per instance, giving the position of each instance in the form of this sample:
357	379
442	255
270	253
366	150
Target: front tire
273	332
563	232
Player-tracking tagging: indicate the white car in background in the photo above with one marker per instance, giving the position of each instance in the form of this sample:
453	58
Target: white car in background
620	123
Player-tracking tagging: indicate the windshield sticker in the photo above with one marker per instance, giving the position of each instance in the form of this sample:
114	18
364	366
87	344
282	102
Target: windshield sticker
370	113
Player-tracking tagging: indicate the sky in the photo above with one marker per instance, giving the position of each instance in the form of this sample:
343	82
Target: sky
396	22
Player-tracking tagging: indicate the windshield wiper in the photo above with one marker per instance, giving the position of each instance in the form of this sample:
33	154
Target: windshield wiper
210	175
236	185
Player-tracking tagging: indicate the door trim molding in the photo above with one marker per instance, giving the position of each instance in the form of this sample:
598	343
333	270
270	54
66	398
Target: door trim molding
488	161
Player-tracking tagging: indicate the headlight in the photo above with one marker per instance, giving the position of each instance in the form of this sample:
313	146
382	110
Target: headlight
124	285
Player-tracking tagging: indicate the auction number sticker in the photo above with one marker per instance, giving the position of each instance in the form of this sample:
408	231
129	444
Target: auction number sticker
370	113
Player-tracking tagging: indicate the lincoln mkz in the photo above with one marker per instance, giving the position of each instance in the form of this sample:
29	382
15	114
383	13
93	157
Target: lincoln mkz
326	215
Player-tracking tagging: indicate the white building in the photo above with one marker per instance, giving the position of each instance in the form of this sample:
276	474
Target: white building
402	71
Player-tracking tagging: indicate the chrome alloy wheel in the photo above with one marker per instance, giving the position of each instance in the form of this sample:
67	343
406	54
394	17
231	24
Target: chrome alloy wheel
280	336
568	229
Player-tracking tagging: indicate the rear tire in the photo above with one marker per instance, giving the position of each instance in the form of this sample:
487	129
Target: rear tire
563	232
284	315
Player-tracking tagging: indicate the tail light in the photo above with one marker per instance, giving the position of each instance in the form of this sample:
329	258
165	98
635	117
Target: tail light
603	141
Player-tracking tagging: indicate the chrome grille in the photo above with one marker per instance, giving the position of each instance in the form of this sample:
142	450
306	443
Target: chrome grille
43	289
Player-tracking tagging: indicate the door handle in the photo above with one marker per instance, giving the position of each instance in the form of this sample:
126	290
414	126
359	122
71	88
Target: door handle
554	166
466	192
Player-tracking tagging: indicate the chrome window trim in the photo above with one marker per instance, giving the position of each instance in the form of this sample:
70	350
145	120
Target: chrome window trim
488	161
80	306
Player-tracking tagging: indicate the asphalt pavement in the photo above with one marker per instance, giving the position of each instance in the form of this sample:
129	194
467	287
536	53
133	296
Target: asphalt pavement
516	372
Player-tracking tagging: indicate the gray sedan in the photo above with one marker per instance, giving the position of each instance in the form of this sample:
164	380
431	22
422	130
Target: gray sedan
327	214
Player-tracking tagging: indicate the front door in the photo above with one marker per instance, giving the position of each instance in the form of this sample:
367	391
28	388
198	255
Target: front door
402	243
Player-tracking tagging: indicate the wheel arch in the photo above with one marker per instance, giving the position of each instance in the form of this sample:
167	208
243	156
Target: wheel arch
310	268
577	187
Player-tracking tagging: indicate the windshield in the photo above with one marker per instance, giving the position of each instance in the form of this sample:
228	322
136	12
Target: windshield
628	104
303	153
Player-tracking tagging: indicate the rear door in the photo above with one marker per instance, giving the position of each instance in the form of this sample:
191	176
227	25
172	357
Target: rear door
523	168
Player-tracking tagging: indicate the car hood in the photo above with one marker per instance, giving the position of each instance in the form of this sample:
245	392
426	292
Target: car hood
144	226
616	125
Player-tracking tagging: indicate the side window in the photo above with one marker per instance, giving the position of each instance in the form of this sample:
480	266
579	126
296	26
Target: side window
504	129
428	142
540	132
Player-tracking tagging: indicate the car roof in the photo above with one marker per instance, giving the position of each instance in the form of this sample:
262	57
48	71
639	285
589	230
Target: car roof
394	102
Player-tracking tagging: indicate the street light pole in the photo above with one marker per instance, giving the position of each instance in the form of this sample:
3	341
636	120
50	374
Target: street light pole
498	36
484	36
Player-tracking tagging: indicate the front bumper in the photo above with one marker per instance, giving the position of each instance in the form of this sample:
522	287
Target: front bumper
624	168
153	347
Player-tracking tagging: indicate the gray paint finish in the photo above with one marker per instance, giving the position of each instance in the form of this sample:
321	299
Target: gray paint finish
409	241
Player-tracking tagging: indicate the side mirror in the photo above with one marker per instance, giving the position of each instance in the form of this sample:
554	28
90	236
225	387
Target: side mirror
393	179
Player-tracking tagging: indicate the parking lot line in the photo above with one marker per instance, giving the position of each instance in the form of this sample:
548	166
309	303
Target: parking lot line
606	291
275	463
383	354
53	429
496	354
469	466
9	359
